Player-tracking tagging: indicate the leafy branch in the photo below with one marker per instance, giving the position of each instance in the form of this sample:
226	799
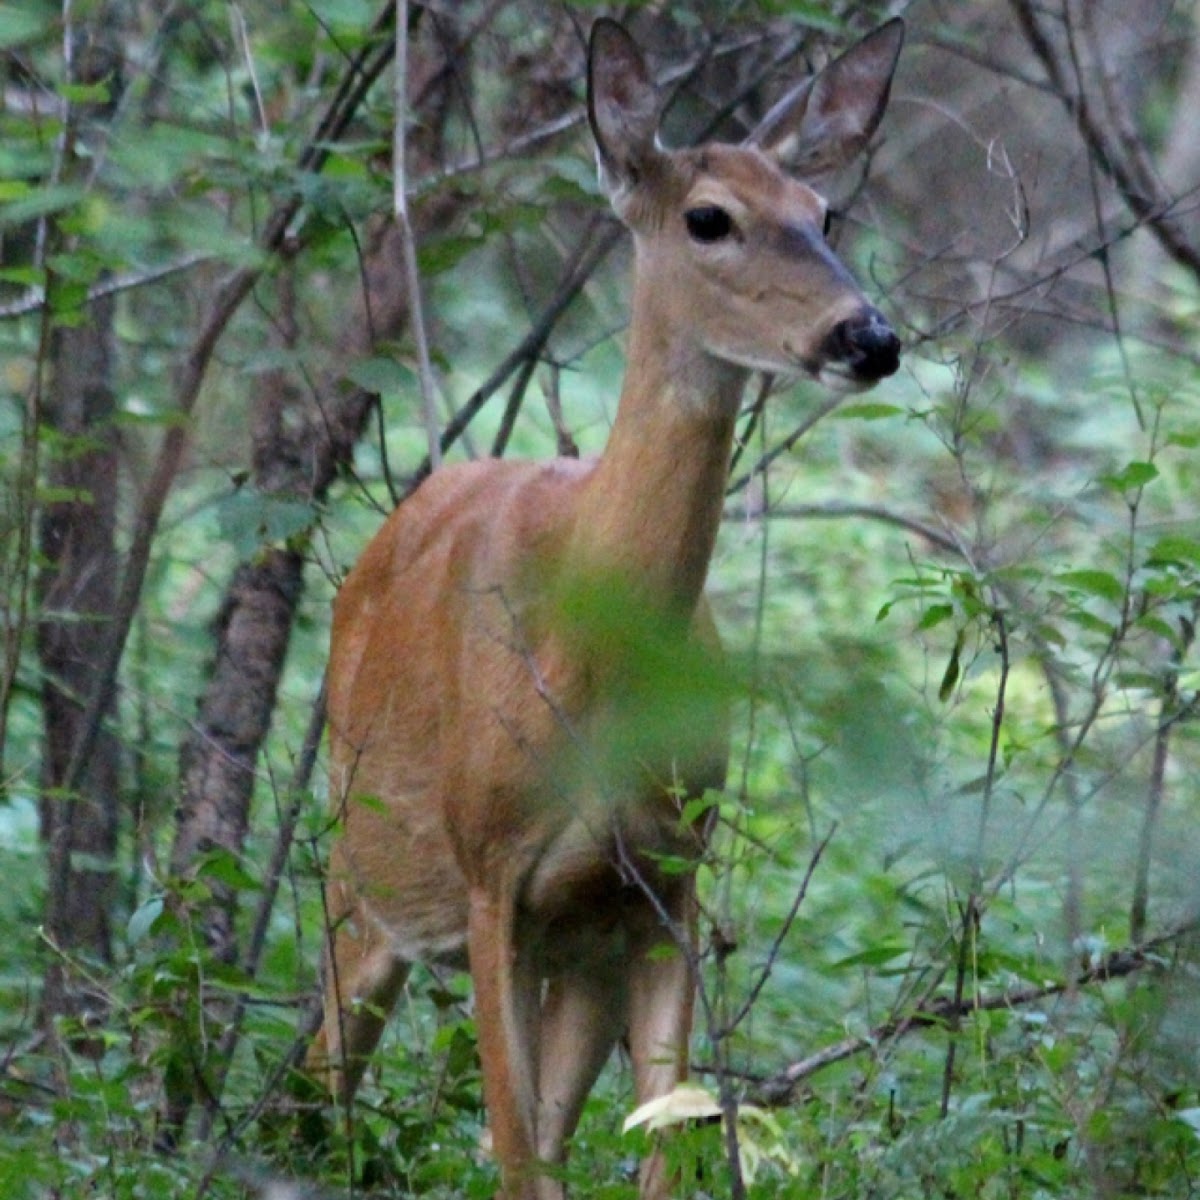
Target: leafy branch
780	1088
361	74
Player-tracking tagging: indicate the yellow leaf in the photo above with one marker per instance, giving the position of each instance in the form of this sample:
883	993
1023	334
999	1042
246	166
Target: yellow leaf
685	1103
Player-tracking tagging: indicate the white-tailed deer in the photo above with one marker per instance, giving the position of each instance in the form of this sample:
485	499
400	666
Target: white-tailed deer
499	807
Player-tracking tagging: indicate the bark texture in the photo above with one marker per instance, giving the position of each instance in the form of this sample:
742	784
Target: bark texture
76	590
76	594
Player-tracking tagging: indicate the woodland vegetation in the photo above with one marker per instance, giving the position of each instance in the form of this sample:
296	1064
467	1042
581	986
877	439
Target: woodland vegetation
949	920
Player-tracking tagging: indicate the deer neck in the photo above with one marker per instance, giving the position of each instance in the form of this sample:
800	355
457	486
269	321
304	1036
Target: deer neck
650	512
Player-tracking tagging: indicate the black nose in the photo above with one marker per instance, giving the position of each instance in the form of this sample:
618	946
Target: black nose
866	344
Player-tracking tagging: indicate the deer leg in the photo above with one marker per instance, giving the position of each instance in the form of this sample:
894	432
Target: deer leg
660	1016
363	978
507	991
583	1015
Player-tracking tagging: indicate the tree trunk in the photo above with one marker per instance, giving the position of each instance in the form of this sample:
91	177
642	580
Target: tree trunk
76	592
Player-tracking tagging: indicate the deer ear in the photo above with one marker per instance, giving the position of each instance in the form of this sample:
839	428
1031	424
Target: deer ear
623	107
826	121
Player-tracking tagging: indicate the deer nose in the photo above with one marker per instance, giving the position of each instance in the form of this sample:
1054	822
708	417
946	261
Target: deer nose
866	344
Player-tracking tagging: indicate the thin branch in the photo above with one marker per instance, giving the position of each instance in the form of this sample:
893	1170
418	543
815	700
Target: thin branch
512	408
773	952
1168	708
534	139
766	386
1018	297
408	241
241	37
822	411
34	298
779	1089
1141	193
836	510
591	254
973	910
297	792
1103	256
16	614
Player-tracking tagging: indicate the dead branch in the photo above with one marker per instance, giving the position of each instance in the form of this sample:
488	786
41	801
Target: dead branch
1131	173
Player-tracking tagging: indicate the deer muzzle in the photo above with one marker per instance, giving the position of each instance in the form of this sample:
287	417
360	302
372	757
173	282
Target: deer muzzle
863	346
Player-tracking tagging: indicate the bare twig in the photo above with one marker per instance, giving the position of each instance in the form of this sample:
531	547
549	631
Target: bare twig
836	510
764	972
408	242
1140	191
593	250
973	909
820	412
1168	708
297	793
35	298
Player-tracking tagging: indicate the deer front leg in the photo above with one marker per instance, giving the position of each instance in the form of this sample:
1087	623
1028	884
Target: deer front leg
661	989
506	1010
363	978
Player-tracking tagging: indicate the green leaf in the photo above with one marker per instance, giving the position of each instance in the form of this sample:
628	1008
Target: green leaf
163	154
67	296
674	864
1174	549
441	254
48	494
693	810
934	615
23	276
1138	681
40	202
1160	628
143	919
223	867
1050	634
663	952
251	519
386	376
1185	441
1094	583
20	24
804	12
1090	622
953	669
343	16
85	93
874	956
867	412
1134	475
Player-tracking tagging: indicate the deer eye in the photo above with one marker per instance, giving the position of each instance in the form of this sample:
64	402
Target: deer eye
708	223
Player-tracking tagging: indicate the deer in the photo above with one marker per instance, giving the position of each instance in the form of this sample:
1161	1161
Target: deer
497	809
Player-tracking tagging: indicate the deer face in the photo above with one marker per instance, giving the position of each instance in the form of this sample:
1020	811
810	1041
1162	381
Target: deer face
731	239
